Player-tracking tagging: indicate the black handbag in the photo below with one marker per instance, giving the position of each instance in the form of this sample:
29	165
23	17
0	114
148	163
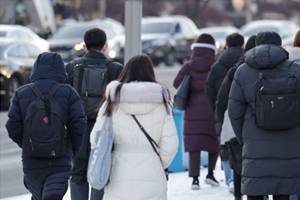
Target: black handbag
152	142
182	94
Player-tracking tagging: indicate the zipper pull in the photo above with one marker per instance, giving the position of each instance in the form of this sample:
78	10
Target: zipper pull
86	93
272	103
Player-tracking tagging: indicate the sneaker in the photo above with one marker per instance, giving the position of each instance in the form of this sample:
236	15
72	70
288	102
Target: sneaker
210	179
231	187
195	184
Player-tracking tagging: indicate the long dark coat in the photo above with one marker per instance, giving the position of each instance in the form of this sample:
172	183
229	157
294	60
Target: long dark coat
199	125
271	159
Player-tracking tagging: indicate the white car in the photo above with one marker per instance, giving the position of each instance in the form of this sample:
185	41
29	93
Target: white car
286	29
23	33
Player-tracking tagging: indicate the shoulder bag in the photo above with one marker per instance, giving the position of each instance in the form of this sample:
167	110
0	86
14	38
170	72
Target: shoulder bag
153	144
182	94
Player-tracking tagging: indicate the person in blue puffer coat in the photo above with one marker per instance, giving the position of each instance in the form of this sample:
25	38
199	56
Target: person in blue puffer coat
47	178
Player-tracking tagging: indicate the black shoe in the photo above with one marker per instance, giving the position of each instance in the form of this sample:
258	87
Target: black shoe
210	179
195	184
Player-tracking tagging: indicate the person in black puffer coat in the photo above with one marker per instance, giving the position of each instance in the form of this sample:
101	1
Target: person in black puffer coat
47	178
271	158
226	60
227	135
95	46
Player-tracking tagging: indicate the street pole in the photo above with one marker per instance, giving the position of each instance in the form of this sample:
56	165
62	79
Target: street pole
133	16
102	6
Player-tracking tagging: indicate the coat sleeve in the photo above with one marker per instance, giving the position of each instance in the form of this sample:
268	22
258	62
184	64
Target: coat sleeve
223	94
237	106
179	77
76	121
210	86
98	125
168	146
14	124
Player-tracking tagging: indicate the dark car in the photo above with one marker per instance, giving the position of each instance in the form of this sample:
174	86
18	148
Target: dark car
68	40
16	61
168	39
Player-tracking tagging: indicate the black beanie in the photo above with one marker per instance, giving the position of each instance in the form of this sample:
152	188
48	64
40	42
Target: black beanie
268	37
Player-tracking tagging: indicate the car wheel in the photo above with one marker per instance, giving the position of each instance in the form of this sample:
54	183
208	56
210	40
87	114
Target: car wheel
170	59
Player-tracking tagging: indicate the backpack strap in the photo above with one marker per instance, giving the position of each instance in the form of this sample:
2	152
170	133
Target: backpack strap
53	89
35	89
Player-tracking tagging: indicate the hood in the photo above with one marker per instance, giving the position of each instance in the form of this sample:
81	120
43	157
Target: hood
265	56
229	57
202	57
294	53
48	65
138	97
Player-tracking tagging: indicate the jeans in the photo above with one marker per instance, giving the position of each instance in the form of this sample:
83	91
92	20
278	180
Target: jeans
295	197
228	172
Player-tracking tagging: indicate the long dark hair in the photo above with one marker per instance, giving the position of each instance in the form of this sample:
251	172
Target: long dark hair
138	68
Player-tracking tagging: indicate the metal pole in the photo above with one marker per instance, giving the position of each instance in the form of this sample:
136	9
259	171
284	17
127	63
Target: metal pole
133	16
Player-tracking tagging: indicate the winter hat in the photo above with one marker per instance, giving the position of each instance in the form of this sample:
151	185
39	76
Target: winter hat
268	37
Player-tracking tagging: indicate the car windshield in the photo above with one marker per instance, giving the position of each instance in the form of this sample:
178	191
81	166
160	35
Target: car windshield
156	27
248	31
78	32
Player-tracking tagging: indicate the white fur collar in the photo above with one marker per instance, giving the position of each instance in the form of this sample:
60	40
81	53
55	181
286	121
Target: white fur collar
138	92
205	45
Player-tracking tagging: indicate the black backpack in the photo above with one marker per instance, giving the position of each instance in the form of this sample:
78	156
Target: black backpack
277	100
89	80
45	130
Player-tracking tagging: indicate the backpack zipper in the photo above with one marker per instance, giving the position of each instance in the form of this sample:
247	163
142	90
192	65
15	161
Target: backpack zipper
32	147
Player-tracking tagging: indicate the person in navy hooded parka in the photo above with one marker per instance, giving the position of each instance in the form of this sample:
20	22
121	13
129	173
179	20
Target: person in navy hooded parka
47	178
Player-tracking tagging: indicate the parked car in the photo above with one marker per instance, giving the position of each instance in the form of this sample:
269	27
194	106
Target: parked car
168	39
219	33
16	60
23	33
286	29
68	40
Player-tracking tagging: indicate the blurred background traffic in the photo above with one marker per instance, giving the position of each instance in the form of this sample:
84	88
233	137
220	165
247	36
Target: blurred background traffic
168	27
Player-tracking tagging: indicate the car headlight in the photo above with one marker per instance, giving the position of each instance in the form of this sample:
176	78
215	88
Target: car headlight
110	43
112	54
78	47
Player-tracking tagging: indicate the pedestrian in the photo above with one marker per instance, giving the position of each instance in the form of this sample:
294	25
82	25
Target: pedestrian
94	81
225	61
199	129
227	136
294	55
294	52
46	178
137	171
271	156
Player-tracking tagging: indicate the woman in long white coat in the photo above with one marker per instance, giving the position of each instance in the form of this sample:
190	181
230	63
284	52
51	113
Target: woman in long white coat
137	171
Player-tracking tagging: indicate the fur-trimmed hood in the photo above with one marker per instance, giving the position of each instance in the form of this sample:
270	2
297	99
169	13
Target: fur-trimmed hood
138	97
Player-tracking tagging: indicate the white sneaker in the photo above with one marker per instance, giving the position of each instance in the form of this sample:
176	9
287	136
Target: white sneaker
231	187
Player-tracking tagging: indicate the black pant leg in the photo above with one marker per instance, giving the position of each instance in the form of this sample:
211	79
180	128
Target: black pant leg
79	187
255	197
237	178
281	197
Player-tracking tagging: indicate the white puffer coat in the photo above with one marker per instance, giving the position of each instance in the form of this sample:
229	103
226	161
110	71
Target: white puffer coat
137	172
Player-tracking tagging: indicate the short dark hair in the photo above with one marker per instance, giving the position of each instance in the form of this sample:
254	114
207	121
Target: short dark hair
205	38
235	40
250	43
268	37
94	38
297	39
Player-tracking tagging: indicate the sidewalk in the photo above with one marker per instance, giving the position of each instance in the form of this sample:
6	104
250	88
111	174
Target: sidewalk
179	187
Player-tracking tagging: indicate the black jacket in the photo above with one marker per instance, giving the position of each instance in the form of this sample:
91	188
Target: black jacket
271	158
114	70
218	71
